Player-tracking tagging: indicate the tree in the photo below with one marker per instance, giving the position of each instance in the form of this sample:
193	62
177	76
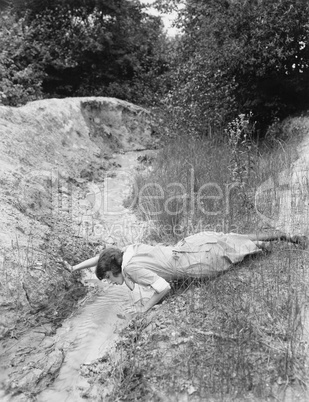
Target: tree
20	77
242	56
106	47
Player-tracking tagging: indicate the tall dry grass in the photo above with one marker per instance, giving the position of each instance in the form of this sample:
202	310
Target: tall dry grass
241	336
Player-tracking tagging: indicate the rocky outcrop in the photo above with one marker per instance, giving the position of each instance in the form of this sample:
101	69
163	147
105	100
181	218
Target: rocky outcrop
49	149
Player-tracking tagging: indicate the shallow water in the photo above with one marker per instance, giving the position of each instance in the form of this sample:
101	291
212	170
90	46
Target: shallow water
92	331
90	334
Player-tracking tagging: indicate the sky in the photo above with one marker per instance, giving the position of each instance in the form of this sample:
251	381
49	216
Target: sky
166	18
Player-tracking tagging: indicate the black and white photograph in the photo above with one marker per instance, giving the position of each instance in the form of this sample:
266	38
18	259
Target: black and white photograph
154	200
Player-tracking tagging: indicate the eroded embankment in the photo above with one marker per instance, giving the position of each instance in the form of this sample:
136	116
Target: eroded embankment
50	151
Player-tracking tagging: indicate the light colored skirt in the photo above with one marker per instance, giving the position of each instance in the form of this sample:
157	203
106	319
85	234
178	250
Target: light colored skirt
208	253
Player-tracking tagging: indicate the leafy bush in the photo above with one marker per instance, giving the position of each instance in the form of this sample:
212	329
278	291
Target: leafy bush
20	76
109	48
240	57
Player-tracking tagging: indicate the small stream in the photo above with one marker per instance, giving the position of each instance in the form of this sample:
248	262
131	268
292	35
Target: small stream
93	329
90	334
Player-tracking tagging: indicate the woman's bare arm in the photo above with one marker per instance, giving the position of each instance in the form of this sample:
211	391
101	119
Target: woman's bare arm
155	299
91	262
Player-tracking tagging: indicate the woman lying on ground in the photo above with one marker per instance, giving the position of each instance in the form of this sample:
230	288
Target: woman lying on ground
201	255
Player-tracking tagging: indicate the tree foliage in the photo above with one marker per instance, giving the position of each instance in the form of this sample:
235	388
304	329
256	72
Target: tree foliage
241	56
233	56
106	47
20	76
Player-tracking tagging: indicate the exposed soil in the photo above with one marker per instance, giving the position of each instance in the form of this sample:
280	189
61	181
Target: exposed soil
56	157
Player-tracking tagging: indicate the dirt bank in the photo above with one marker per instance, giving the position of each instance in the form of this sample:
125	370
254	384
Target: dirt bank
49	151
47	356
54	155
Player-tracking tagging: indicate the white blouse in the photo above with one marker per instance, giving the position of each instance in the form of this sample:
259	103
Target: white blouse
140	275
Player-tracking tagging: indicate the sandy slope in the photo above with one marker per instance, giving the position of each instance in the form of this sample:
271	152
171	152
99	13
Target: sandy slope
54	156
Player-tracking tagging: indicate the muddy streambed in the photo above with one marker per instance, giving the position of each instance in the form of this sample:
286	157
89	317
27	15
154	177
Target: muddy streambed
46	366
89	334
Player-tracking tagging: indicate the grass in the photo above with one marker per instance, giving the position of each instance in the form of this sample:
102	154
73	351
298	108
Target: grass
239	336
199	184
189	181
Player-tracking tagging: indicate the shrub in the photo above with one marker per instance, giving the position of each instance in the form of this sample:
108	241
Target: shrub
20	76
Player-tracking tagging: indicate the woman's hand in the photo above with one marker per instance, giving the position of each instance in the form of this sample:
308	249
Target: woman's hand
68	267
143	309
140	310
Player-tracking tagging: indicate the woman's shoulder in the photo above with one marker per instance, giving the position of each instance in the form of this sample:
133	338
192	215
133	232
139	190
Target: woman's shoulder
129	252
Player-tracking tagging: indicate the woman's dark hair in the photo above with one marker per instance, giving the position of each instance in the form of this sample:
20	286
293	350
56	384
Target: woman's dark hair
110	260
